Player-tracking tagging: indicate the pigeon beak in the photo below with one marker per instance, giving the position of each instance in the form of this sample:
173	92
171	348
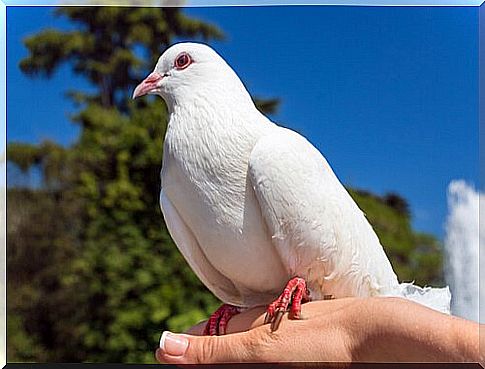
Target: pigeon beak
148	85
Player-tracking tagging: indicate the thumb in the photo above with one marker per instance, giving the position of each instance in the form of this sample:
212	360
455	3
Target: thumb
187	349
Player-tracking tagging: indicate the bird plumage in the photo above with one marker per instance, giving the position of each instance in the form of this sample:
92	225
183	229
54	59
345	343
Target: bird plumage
251	204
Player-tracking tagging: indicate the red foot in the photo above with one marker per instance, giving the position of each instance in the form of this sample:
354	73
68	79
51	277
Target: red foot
217	323
294	294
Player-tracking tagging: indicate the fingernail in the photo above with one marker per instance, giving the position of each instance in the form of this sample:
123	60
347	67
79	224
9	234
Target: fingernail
173	344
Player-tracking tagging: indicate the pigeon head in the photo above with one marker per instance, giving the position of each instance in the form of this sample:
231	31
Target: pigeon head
187	71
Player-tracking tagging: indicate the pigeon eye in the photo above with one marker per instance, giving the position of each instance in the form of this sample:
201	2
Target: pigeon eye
182	61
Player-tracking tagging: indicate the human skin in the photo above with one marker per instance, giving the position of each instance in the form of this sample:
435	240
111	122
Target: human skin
379	329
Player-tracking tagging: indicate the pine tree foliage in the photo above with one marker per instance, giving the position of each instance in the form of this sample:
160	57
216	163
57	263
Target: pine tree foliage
115	279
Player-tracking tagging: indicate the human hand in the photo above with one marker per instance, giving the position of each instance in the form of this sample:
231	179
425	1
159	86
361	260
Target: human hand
343	330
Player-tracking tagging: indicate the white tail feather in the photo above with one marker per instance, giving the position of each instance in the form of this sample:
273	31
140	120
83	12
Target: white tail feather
434	298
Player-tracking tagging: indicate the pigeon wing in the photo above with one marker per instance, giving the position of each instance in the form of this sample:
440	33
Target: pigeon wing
317	229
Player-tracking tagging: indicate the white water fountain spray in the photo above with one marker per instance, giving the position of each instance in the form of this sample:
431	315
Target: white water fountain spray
462	244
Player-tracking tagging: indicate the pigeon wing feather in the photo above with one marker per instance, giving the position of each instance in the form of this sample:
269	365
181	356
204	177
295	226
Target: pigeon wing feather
316	227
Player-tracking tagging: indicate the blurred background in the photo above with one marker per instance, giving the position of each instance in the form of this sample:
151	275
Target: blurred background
388	95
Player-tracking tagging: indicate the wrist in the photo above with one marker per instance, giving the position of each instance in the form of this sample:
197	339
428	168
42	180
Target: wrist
398	330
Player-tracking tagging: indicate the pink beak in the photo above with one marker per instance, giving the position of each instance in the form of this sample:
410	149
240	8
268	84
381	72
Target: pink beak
148	85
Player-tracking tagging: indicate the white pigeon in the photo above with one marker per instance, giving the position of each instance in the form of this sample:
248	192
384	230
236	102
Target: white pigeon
252	205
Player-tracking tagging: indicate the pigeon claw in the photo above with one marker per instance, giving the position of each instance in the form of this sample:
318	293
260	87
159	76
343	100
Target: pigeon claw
275	324
217	323
294	294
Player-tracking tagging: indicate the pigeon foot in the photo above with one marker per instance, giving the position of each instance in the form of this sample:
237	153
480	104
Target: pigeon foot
294	294
217	323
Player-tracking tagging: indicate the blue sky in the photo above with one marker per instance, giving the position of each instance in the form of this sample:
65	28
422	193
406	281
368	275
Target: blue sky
388	95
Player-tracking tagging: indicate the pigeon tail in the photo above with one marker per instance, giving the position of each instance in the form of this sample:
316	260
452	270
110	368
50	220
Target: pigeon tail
435	298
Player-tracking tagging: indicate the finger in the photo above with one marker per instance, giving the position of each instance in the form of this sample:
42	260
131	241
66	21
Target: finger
244	321
198	329
187	349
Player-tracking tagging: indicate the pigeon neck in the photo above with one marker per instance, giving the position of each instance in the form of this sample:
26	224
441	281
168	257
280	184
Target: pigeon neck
209	114
217	116
225	91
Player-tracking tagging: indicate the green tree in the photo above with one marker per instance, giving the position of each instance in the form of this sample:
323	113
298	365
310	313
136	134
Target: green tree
106	278
414	256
